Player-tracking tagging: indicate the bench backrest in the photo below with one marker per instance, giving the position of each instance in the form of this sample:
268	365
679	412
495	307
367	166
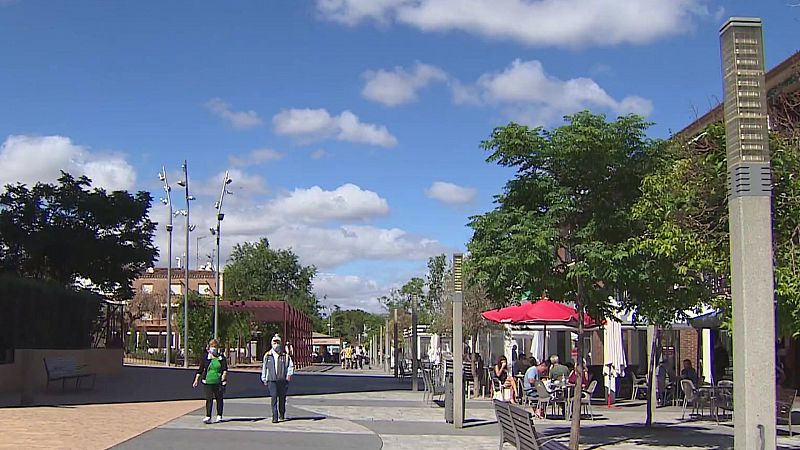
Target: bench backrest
527	439
503	414
60	366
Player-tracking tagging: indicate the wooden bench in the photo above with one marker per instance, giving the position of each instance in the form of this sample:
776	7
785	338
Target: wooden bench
516	428
66	368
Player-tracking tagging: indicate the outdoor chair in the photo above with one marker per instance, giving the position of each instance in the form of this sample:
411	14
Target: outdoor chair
426	373
499	391
639	385
723	399
689	396
545	398
784	405
516	428
586	398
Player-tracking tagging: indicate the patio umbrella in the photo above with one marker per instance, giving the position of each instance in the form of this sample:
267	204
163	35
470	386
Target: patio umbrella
613	355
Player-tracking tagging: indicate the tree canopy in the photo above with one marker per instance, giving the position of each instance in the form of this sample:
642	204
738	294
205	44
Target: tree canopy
258	272
66	231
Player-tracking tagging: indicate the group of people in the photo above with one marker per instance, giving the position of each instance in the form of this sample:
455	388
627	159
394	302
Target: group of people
551	372
276	373
353	358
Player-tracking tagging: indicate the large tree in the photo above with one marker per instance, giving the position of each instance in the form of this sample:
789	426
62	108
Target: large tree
66	231
257	271
563	221
682	257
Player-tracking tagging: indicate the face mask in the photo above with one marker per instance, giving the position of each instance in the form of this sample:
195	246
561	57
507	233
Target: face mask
213	351
276	348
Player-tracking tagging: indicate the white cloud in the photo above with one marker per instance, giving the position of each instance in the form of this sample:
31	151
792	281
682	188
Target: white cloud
331	247
451	194
256	157
29	159
400	86
529	94
319	153
530	22
237	119
309	125
350	291
347	202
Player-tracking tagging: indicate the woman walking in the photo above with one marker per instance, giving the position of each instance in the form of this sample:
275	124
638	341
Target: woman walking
213	373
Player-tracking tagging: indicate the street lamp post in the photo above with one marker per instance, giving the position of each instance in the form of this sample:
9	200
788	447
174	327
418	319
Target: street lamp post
217	233
749	208
185	184
168	202
414	359
458	343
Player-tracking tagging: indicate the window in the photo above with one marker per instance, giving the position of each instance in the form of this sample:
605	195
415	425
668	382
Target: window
176	289
204	289
147	288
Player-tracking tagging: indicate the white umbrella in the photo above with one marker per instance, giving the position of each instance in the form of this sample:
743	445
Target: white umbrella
613	355
537	345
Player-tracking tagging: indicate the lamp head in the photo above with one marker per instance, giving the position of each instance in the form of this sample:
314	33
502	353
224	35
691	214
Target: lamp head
181	183
161	176
228	181
192	227
164	201
220	216
213	231
192	197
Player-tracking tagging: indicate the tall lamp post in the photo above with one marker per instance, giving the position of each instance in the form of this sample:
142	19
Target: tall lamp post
217	233
750	211
458	343
167	201
185	184
414	359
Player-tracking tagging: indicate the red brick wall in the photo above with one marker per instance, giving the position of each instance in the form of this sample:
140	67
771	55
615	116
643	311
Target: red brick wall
689	345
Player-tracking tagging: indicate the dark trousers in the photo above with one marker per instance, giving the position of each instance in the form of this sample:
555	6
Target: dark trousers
277	392
213	392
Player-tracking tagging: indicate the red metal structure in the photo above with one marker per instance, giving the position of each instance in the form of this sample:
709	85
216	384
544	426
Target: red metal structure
297	327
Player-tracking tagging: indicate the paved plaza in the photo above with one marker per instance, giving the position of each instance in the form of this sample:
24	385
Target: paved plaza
330	409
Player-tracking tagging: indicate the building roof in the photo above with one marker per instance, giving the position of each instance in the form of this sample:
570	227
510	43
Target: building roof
782	78
160	273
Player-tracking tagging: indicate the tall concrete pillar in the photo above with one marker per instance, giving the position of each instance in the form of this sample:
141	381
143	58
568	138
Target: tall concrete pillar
458	343
749	207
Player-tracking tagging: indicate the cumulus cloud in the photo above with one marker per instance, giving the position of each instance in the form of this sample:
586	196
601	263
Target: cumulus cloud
530	22
451	194
29	159
309	125
529	94
319	153
400	86
237	119
347	202
351	291
256	157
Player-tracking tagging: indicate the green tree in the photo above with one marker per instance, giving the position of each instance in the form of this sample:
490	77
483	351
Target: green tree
66	231
355	324
563	222
682	257
258	272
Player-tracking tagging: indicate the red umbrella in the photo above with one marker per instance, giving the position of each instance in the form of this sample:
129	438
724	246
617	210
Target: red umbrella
541	312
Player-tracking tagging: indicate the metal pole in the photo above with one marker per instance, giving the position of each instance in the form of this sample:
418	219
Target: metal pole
225	182
396	351
386	346
414	358
186	273
167	190
750	222
458	344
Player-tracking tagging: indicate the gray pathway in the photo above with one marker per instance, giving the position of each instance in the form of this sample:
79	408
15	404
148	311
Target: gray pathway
334	410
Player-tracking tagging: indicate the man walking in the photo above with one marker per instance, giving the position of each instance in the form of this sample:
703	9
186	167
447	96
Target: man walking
276	373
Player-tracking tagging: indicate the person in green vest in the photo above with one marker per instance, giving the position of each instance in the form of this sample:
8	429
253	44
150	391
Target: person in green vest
213	373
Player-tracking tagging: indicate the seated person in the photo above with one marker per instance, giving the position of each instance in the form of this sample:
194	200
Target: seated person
500	372
573	376
557	371
688	372
521	365
531	376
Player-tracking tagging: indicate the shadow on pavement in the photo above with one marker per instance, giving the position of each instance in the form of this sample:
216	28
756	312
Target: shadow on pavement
609	436
152	384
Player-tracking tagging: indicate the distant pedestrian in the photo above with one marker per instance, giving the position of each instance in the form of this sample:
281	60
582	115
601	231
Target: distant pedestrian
276	373
213	373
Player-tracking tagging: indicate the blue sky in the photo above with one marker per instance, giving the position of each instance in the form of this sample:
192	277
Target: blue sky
351	127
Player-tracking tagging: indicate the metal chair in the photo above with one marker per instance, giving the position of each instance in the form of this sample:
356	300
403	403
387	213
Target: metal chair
689	396
639	384
586	398
545	397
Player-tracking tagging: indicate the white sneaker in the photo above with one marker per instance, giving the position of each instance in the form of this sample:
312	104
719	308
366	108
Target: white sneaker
207	419
219	419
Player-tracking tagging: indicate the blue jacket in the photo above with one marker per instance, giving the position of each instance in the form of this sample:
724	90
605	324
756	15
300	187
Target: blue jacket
276	367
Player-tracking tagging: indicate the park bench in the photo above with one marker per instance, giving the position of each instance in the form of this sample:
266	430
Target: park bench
516	428
66	368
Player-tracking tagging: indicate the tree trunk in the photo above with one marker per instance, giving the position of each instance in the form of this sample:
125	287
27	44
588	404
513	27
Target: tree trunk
654	345
575	429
